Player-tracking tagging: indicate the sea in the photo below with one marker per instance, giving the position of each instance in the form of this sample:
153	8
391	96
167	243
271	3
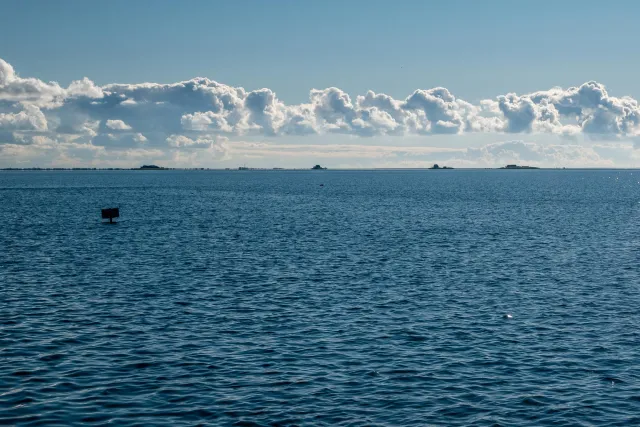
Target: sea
320	298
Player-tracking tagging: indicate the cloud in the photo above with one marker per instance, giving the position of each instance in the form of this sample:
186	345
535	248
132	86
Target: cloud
216	145
7	73
535	154
117	125
111	140
29	119
16	89
204	105
84	88
205	121
444	114
194	114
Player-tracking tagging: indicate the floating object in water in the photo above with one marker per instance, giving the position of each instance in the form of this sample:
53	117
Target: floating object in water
321	185
110	214
507	316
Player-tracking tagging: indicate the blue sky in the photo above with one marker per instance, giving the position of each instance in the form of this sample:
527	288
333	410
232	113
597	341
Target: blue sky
477	50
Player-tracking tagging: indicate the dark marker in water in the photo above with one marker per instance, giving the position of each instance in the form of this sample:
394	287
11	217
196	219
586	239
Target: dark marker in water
110	214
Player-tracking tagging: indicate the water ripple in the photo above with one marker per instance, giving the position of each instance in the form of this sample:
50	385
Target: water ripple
261	299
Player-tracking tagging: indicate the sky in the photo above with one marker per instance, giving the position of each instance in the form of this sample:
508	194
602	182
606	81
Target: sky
342	83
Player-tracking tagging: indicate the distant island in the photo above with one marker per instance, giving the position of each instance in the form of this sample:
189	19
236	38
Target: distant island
151	167
438	167
518	167
318	168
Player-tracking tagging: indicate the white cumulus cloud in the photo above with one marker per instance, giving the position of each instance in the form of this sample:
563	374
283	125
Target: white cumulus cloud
117	125
31	118
195	114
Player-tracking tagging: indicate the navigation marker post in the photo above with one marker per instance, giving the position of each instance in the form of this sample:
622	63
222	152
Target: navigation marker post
110	214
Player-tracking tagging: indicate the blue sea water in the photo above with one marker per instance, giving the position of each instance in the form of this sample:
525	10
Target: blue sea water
262	298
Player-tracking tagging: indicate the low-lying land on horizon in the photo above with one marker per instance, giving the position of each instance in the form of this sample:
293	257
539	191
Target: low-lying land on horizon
307	169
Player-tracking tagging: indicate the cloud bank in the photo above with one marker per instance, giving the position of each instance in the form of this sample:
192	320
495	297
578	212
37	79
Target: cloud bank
202	114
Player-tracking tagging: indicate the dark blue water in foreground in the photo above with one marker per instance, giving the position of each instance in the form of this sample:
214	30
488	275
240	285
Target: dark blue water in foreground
262	298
